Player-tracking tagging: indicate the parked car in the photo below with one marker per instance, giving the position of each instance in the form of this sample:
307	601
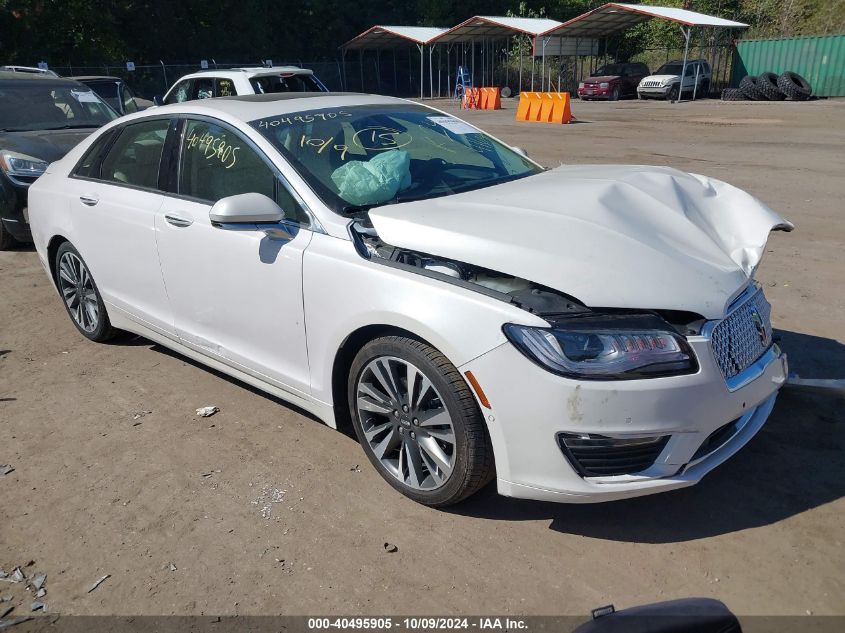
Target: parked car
242	81
41	118
613	81
666	82
115	92
376	261
32	70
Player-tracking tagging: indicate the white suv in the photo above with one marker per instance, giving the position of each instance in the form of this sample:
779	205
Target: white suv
665	83
242	81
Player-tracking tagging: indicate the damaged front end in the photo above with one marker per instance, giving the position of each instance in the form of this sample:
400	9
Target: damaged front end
529	296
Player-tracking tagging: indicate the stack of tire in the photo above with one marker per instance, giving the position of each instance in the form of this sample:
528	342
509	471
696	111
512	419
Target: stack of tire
788	86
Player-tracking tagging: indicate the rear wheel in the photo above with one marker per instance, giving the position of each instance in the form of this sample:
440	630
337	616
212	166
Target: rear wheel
418	422
81	297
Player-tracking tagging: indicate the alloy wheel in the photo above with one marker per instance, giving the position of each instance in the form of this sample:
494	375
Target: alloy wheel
406	423
77	288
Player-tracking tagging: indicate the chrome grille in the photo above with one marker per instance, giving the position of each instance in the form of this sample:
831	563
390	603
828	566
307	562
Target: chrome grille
743	336
650	84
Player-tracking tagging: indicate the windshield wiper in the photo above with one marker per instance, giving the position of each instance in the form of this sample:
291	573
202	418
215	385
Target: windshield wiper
69	126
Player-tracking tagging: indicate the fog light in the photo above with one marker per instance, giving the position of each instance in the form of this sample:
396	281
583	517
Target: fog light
602	456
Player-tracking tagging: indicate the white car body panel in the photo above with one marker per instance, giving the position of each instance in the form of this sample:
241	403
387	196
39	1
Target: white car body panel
277	315
611	236
215	277
102	230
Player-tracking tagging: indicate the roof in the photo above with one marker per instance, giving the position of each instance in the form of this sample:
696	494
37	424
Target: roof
379	36
94	78
258	71
485	26
252	107
8	76
613	17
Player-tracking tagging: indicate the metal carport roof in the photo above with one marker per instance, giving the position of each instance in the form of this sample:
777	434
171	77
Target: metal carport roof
381	37
613	17
483	27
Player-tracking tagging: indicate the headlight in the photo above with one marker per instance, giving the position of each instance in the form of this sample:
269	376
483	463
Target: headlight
607	347
21	165
604	84
581	84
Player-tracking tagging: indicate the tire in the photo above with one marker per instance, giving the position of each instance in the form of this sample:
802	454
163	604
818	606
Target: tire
733	94
80	295
794	86
615	93
749	88
674	93
386	416
7	242
767	83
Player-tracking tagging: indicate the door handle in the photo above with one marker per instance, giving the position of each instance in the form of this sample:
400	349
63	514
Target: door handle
88	199
175	220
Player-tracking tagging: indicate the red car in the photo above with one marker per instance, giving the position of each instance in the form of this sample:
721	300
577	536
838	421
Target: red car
613	81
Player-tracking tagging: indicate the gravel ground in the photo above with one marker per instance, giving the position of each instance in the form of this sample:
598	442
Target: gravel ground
260	509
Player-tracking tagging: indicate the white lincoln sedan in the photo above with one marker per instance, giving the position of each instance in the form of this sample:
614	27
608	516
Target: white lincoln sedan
580	334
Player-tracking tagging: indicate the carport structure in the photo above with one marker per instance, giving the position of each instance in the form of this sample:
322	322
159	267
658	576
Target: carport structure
483	32
380	38
613	17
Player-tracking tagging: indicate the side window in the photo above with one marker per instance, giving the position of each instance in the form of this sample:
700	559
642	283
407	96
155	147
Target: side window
89	166
224	88
135	156
203	88
217	163
129	105
181	92
691	70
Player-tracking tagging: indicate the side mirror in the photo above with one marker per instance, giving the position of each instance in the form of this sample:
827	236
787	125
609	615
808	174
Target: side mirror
520	151
158	100
246	208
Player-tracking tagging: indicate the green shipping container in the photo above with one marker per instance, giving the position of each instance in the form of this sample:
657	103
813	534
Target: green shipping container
820	60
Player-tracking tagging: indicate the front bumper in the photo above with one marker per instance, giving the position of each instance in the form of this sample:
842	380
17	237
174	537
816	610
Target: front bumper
688	409
13	210
594	92
654	91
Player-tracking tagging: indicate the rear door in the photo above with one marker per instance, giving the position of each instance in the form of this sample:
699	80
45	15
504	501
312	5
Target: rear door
115	196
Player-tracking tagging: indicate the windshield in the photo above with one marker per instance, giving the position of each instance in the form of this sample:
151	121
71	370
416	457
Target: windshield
285	83
670	69
610	69
363	156
46	106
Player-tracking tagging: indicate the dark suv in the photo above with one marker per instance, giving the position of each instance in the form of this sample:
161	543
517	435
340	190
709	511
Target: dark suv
41	119
613	81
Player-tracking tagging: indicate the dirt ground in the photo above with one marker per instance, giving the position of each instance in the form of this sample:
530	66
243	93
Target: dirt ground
263	510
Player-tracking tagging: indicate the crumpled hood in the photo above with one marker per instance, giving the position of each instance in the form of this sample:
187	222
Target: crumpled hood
48	145
611	236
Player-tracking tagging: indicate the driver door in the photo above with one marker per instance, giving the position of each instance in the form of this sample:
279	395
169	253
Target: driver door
236	295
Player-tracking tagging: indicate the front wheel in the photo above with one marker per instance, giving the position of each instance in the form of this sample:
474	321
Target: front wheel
673	94
418	422
81	297
615	94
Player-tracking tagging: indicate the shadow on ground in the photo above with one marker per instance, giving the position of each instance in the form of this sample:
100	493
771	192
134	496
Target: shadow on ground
793	464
